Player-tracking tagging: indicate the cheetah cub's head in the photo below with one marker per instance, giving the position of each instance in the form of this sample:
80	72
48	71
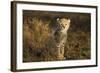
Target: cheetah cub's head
64	23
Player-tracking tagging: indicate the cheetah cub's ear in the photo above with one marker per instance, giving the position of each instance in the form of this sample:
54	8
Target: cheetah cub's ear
57	19
69	20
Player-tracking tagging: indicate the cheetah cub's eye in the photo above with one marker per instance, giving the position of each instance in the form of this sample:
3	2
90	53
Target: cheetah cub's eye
65	24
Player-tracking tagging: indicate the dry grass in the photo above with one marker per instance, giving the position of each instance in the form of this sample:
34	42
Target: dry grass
39	45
